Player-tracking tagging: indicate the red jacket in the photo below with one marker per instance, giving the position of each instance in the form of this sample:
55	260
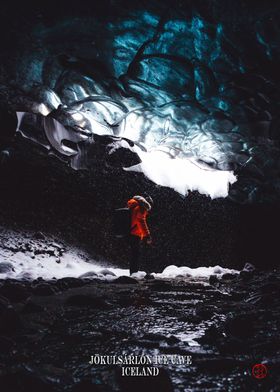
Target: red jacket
139	211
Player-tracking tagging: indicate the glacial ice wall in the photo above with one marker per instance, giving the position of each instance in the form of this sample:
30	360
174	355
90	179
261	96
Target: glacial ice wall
169	82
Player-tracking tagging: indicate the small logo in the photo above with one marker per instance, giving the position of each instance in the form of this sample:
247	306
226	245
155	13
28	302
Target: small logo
259	371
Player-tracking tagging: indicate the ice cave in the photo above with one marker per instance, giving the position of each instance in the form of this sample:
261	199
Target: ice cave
172	105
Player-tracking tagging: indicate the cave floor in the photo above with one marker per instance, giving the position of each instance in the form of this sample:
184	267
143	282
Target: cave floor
50	329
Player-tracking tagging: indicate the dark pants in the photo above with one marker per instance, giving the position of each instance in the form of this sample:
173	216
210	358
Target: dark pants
134	243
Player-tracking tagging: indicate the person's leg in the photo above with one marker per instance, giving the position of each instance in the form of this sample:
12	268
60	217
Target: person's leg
134	256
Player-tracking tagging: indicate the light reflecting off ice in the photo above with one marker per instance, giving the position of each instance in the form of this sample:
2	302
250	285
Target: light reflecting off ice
184	175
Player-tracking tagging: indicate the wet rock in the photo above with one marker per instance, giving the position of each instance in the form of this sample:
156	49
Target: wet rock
160	285
254	298
6	344
39	279
121	154
242	326
213	279
229	276
92	280
51	252
249	267
87	300
6	267
25	380
125	280
247	272
105	272
211	336
85	386
271	288
126	300
142	300
205	312
245	275
44	289
37	251
15	292
10	322
149	277
154	337
32	307
68	282
4	303
161	383
52	373
89	274
238	295
212	364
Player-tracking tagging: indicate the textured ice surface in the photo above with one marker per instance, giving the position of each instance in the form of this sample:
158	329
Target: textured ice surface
178	84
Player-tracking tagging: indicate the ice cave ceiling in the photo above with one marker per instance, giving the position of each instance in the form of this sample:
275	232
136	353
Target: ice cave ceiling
196	83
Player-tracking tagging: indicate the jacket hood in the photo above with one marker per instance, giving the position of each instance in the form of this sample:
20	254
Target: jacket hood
142	202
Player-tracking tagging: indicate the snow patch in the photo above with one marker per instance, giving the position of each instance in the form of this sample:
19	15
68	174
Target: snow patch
172	271
25	267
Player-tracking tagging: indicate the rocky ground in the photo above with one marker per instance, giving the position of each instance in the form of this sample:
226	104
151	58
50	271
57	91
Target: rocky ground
50	329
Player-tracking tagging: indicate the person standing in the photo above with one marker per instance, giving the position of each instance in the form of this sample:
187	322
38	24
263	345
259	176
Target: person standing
139	230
